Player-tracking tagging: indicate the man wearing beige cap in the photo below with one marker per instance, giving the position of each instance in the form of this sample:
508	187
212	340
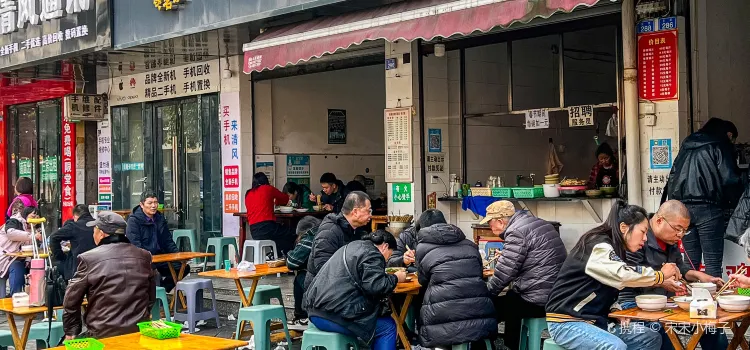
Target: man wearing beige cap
530	260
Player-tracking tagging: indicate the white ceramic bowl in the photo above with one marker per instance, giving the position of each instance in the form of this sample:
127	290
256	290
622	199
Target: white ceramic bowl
551	190
711	287
27	248
683	302
651	302
317	207
301	210
734	303
286	209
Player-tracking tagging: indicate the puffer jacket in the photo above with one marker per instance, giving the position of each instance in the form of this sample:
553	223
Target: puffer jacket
407	237
457	307
531	259
334	232
349	294
705	171
150	234
13	235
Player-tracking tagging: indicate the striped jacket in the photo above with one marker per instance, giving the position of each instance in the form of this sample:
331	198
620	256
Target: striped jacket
296	259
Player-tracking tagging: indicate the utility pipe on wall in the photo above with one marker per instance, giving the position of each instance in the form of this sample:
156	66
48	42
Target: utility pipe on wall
630	103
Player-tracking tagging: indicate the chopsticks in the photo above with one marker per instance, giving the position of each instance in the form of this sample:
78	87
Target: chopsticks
687	285
731	281
497	256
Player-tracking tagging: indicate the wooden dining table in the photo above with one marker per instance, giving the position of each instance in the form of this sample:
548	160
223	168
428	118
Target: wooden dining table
136	341
28	314
182	258
289	219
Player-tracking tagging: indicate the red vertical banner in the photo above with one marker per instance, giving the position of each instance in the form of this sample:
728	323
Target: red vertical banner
68	170
658	72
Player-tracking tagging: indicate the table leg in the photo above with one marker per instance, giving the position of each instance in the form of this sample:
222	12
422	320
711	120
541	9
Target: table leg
19	340
247	301
243	235
739	340
176	278
399	318
673	338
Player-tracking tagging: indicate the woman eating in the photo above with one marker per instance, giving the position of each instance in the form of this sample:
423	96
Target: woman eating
591	278
260	201
605	173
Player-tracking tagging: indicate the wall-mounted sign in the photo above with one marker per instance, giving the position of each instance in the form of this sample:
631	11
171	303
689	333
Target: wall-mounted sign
169	5
660	154
104	152
657	66
266	164
231	160
68	169
398	147
537	119
655	25
84	107
580	116
336	127
435	140
390	63
435	162
401	192
297	165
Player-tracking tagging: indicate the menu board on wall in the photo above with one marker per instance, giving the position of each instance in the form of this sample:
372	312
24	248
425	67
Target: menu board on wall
398	148
229	115
657	66
336	126
104	168
68	170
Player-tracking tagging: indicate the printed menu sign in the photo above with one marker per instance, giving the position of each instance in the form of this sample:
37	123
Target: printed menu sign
657	66
336	126
398	148
104	168
229	116
68	170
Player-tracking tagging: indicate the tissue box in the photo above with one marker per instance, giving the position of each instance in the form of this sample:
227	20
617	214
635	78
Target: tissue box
20	300
703	305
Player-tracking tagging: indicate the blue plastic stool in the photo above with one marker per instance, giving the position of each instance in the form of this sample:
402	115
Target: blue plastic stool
193	291
161	296
465	346
220	245
260	317
41	331
550	344
531	333
314	337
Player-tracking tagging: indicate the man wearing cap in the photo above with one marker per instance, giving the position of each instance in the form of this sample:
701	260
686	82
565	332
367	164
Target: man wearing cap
532	255
116	278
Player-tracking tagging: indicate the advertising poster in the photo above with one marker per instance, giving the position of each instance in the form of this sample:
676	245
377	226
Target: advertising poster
229	117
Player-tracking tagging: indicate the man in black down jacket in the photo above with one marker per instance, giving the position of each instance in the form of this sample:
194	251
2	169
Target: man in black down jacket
80	236
337	230
457	307
531	259
346	296
706	179
148	229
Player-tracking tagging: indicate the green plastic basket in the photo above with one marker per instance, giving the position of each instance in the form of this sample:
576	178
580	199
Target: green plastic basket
502	192
528	192
83	344
743	291
160	333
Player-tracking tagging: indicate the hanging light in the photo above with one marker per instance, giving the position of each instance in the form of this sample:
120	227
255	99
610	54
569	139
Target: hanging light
439	49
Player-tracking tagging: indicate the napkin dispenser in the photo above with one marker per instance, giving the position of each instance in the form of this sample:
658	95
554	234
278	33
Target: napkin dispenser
703	305
20	300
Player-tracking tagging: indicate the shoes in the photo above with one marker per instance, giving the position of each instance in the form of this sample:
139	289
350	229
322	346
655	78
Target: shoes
298	324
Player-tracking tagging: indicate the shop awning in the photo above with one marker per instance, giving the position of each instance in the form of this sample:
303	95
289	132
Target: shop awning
408	20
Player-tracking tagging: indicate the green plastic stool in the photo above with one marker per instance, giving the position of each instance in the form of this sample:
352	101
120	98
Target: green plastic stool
161	296
315	338
264	293
260	317
190	235
531	333
465	346
219	244
41	330
6	339
550	344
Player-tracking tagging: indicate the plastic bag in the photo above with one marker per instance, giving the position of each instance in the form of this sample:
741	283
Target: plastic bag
246	266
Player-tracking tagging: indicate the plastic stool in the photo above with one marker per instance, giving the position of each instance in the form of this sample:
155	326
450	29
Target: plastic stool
6	339
550	344
531	333
161	296
257	249
264	293
193	291
190	235
41	330
219	243
465	346
314	337
260	317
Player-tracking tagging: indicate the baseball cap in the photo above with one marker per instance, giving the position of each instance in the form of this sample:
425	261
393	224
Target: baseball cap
109	222
497	210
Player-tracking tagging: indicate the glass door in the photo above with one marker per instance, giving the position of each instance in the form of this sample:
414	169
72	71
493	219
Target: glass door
167	160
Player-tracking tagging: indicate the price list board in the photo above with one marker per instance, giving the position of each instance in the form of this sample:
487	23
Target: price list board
398	152
657	66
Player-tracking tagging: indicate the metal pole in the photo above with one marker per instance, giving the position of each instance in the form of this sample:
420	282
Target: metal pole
630	103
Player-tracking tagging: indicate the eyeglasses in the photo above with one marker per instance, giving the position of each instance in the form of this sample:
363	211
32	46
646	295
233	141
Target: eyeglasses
682	231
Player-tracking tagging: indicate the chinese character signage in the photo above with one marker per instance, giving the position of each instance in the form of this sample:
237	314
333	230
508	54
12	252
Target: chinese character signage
537	119
401	192
657	66
82	107
169	5
32	30
654	183
580	116
435	162
68	169
177	81
231	161
297	165
398	147
336	127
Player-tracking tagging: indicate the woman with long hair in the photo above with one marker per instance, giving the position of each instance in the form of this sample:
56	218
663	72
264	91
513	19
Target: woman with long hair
260	201
591	278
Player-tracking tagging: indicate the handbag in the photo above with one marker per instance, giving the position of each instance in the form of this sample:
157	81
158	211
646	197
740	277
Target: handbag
385	308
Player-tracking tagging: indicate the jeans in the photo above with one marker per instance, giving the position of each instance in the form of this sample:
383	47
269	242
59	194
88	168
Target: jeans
716	340
385	331
511	309
16	277
585	336
299	293
706	238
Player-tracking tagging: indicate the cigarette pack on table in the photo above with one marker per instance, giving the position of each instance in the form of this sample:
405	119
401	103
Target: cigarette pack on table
703	305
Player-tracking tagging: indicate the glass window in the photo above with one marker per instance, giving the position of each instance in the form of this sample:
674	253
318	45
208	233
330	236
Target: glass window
590	67
536	72
129	178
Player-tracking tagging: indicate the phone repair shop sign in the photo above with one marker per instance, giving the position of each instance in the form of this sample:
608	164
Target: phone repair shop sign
33	30
85	107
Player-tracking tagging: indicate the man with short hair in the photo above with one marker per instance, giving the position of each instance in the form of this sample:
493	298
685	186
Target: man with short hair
532	256
148	229
333	194
667	227
80	236
117	280
338	230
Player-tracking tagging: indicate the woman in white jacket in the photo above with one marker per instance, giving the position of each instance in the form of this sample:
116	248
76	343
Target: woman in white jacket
14	234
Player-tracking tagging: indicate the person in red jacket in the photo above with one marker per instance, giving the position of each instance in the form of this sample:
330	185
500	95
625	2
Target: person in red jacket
260	201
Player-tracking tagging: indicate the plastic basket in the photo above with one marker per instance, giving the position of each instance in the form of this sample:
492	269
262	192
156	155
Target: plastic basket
528	192
83	344
481	192
743	291
173	331
502	192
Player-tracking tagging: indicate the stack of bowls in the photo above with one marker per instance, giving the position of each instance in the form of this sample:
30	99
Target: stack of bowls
551	179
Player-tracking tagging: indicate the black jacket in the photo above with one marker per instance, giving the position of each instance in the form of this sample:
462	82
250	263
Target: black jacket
705	171
349	294
81	239
408	237
151	235
334	232
740	220
457	307
532	257
336	199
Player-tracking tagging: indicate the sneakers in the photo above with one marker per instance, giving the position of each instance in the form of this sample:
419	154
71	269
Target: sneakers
299	324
